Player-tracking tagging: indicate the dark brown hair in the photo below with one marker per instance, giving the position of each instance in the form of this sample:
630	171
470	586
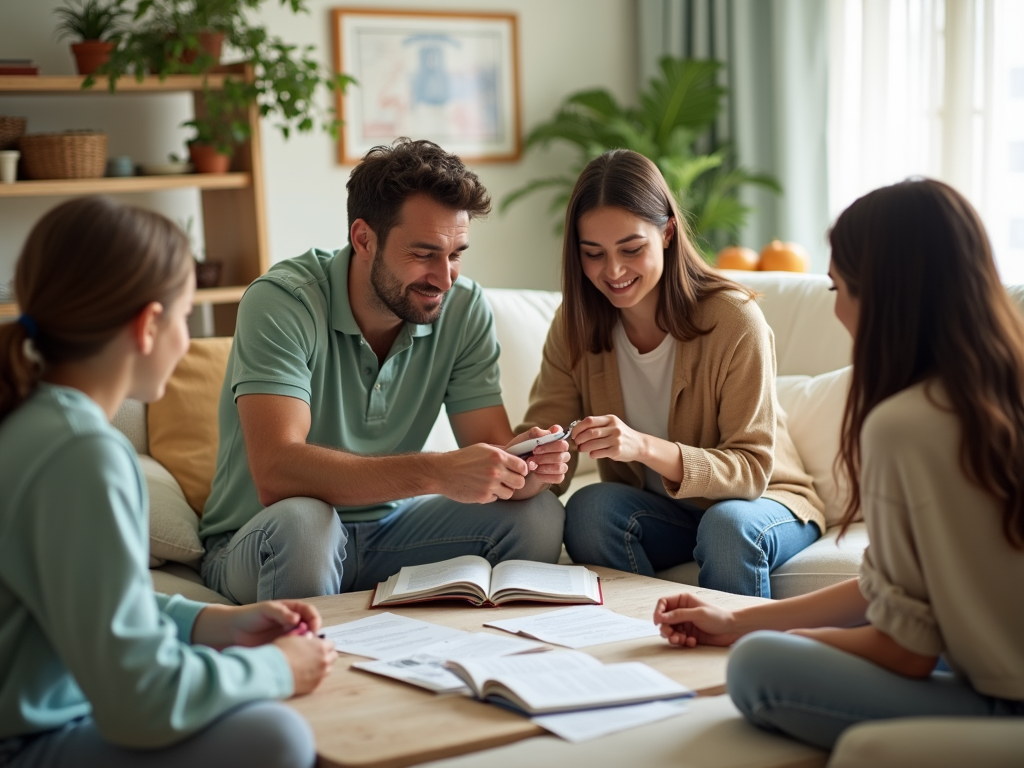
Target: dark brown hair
388	175
88	267
917	258
625	179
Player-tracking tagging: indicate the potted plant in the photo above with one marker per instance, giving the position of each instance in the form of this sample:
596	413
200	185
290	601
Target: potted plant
671	127
281	80
96	25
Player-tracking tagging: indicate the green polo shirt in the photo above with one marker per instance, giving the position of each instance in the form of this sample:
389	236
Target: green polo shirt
296	336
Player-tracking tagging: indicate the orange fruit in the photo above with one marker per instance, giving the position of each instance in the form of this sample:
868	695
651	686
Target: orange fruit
783	257
736	257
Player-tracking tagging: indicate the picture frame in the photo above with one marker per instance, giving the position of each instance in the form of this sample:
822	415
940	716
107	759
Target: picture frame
449	77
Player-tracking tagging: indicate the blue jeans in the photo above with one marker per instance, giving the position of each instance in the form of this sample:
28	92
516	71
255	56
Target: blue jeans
263	733
300	548
736	543
813	692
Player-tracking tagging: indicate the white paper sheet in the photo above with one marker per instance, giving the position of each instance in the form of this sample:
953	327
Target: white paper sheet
426	668
387	636
578	627
583	726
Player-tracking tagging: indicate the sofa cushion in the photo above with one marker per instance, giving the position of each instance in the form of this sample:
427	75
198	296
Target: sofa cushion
173	526
130	419
814	405
178	579
183	431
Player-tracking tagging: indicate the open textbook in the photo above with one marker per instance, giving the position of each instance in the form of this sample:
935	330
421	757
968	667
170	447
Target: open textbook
563	681
472	578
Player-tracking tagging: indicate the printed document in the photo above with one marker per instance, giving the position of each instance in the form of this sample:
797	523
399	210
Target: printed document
592	723
578	627
387	636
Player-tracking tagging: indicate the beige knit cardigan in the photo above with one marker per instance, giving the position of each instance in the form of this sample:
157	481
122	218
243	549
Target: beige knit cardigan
723	415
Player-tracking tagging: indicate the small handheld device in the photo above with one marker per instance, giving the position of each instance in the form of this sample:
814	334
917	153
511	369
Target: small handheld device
528	446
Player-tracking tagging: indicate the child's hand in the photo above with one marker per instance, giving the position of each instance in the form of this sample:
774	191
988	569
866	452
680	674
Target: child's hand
220	626
310	659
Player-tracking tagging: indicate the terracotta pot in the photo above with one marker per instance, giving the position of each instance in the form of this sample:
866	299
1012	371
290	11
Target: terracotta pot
207	159
90	54
210	42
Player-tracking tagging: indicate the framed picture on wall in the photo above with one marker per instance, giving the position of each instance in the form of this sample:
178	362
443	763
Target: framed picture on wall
448	77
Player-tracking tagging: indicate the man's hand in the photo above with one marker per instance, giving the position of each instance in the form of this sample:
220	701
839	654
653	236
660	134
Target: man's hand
688	621
547	463
221	626
481	473
609	437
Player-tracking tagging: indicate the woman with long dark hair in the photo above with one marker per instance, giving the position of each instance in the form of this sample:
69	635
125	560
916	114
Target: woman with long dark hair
97	669
670	370
933	443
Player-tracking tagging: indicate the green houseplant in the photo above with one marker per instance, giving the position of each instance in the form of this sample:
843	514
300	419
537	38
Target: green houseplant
672	127
95	24
171	37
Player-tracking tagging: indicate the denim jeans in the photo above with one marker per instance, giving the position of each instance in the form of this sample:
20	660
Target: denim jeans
813	692
736	543
300	548
263	733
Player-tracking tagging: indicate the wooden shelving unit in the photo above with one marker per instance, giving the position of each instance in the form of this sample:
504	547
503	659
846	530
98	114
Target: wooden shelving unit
233	203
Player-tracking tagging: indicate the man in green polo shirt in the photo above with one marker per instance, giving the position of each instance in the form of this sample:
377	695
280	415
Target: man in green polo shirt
339	368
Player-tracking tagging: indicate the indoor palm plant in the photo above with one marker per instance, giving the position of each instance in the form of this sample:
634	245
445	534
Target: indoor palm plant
171	37
95	24
672	126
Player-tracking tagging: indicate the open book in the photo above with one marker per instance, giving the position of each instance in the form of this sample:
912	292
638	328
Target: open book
563	681
471	578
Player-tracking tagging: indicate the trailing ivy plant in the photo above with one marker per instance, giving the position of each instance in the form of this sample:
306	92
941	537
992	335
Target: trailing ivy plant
672	127
166	38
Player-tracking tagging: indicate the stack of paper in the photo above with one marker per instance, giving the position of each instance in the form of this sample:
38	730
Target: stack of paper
578	627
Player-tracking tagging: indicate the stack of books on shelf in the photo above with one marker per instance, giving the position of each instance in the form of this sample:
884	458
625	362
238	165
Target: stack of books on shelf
18	67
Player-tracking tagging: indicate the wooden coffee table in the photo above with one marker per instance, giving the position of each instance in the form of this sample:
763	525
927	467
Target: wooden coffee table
366	720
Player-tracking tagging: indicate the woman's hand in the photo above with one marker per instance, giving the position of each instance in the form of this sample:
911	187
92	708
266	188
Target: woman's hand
310	659
609	437
220	626
688	621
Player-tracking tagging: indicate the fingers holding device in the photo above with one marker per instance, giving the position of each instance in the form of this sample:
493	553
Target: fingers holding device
529	446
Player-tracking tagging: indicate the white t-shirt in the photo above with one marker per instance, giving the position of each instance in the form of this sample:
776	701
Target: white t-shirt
646	382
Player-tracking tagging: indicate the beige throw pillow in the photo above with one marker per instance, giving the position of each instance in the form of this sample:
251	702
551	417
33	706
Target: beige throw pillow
173	526
814	405
183	432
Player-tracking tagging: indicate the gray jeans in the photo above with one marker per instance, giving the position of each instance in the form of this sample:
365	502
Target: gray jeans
262	734
300	548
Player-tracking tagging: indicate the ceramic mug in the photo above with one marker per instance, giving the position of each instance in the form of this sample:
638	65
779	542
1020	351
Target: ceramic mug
9	166
120	166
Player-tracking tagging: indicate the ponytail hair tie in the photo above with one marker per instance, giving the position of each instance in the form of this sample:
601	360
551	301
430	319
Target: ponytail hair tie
26	322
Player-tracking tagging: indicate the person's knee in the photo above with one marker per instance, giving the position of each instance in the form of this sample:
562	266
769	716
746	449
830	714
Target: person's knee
539	526
306	545
754	663
269	734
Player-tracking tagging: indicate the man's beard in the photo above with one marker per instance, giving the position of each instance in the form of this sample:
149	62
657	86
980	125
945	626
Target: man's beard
388	294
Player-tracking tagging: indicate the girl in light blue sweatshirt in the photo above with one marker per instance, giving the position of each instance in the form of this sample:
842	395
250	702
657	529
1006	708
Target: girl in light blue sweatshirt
96	668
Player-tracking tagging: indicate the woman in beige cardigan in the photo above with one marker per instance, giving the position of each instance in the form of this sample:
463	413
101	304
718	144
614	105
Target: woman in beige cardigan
670	370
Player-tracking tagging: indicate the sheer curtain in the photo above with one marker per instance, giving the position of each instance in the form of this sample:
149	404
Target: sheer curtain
932	88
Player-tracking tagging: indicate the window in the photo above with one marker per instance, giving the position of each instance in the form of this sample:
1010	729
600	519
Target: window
931	88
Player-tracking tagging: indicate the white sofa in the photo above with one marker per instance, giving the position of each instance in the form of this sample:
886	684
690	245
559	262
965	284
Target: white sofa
812	350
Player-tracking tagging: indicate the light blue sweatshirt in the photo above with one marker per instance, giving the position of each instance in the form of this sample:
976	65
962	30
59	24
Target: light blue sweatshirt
81	630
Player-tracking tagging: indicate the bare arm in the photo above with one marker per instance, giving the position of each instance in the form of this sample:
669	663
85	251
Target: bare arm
548	463
875	646
284	465
688	621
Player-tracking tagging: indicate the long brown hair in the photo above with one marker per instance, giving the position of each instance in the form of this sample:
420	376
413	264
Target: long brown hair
917	258
625	179
88	267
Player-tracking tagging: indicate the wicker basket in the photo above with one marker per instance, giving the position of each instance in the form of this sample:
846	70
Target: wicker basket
11	129
69	155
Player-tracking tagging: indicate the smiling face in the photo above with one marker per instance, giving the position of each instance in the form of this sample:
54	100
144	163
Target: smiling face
623	256
420	260
847	307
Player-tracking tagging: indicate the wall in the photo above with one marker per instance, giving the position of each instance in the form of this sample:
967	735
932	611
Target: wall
564	46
